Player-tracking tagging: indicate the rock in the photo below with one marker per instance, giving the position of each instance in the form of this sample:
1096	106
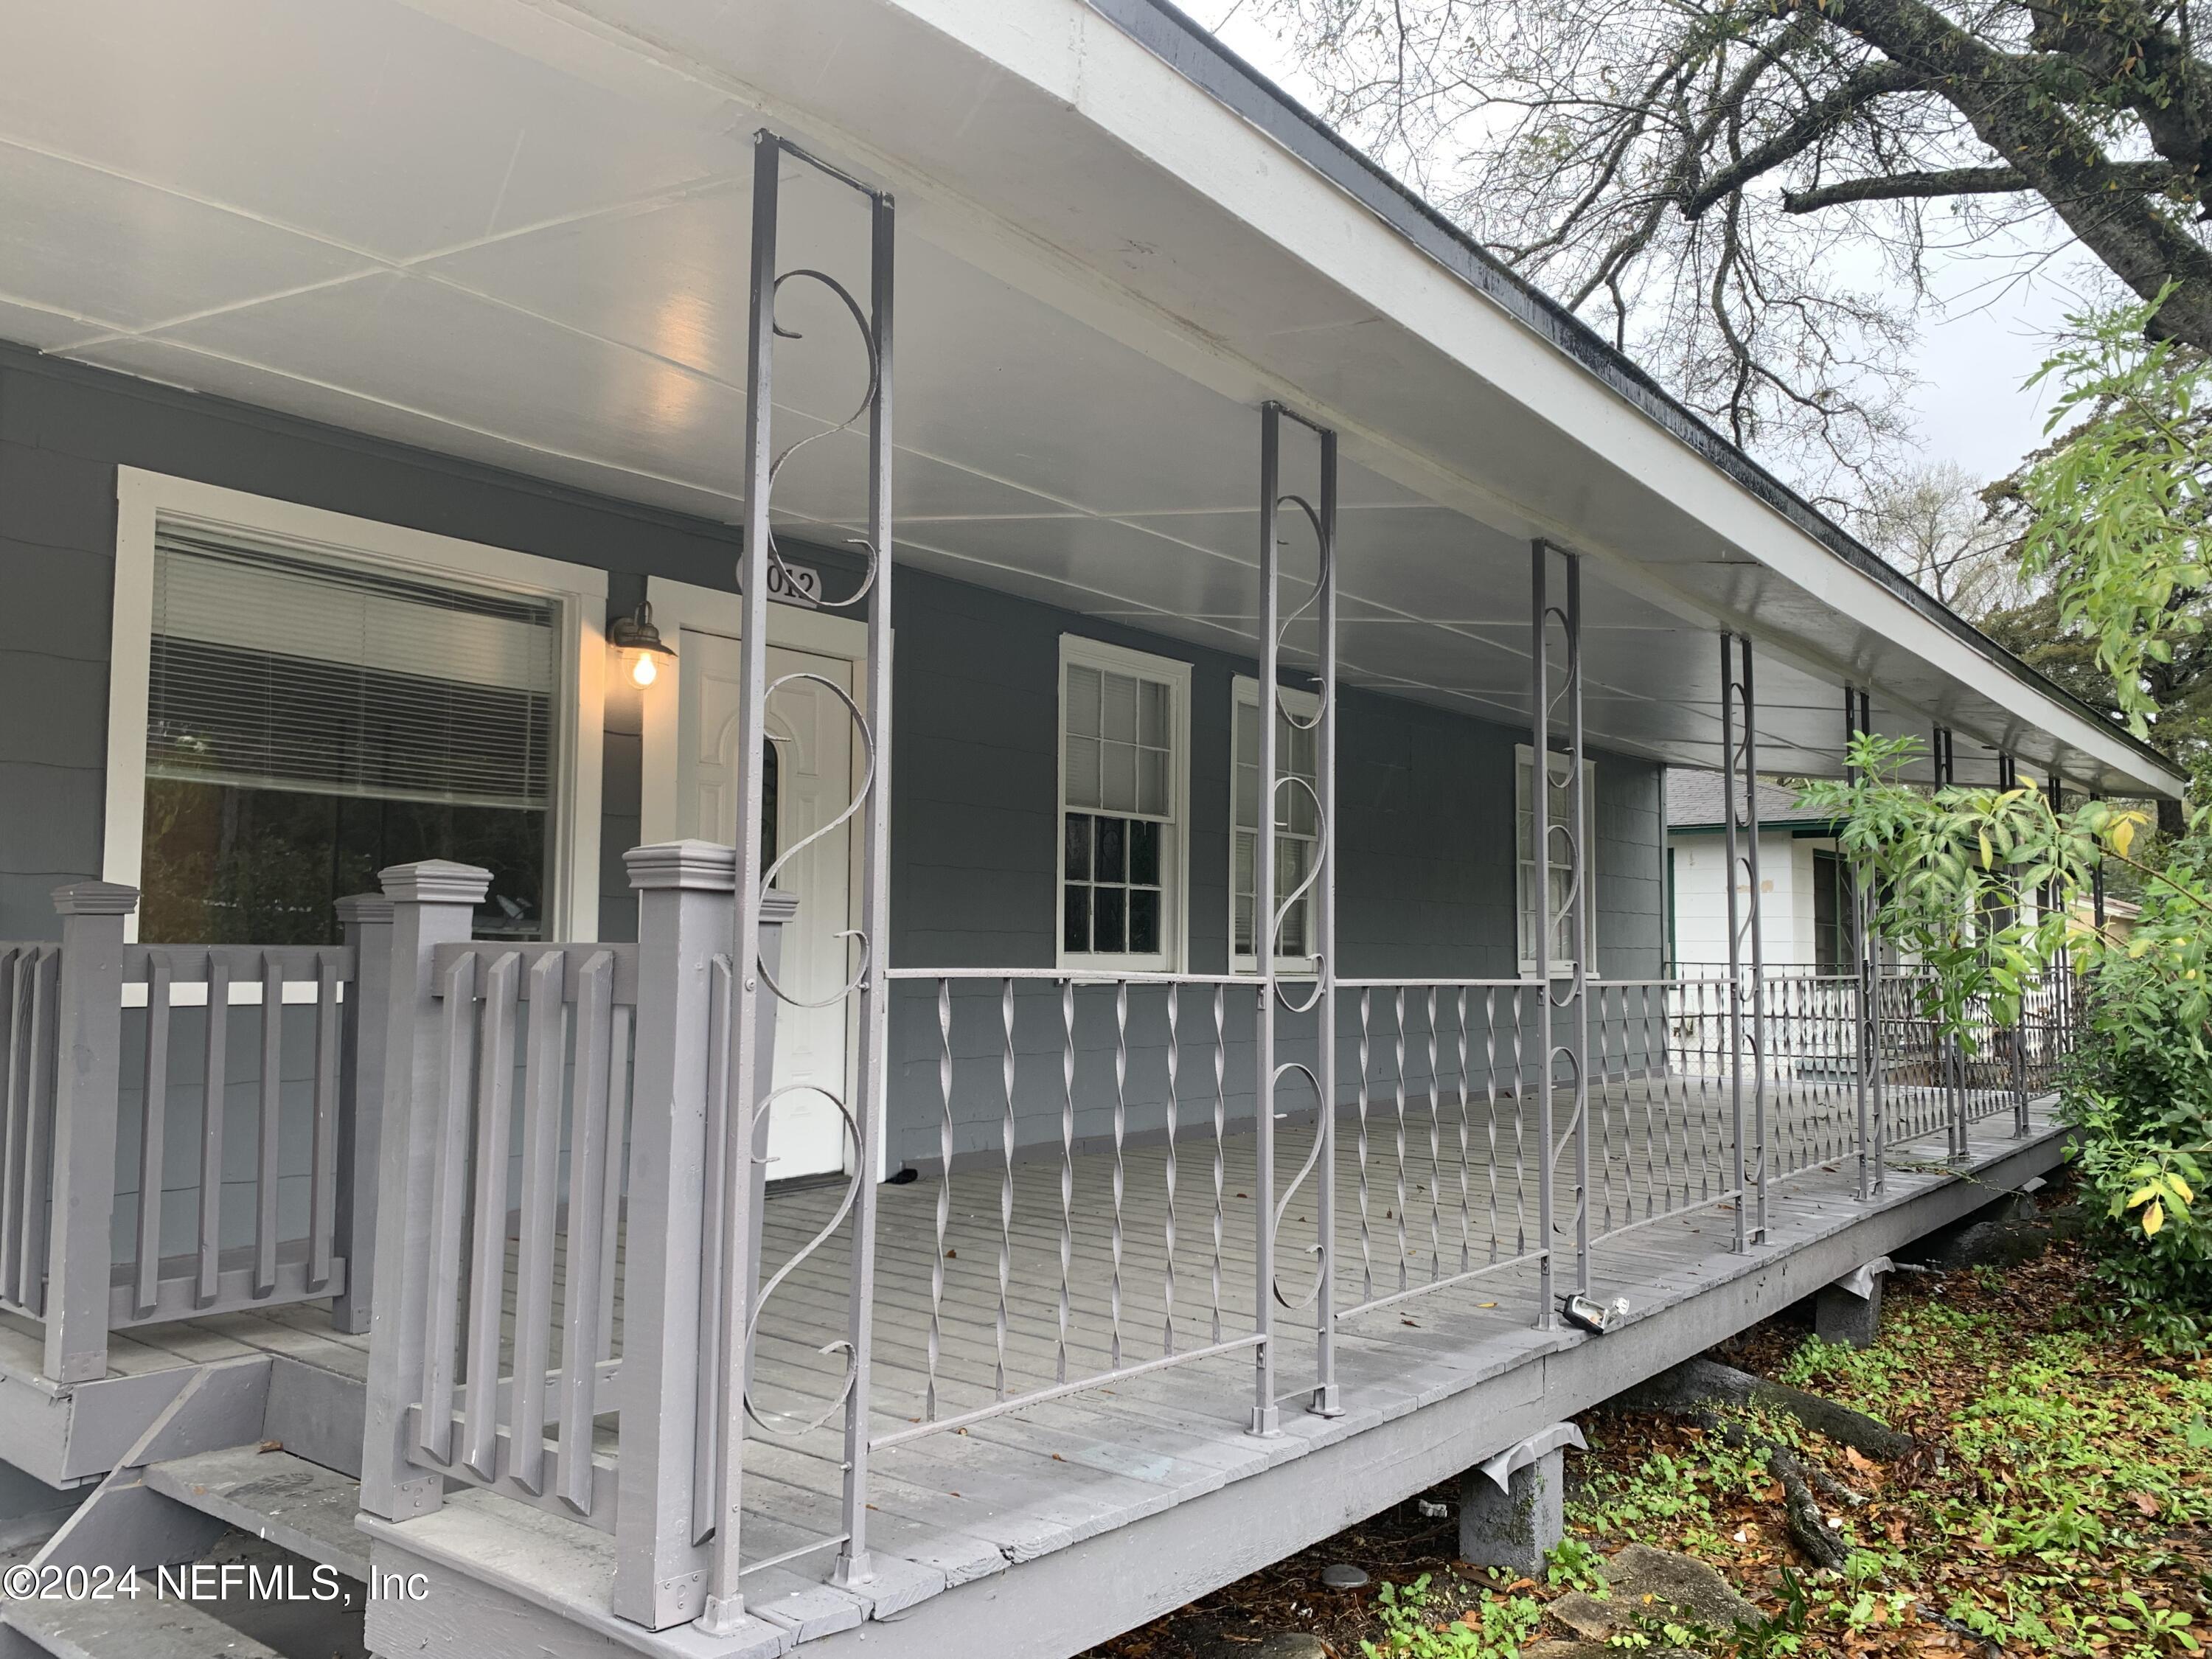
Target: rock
1343	1576
1659	1582
1597	1650
1589	1617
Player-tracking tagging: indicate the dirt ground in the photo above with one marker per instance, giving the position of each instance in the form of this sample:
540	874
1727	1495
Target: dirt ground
2058	1501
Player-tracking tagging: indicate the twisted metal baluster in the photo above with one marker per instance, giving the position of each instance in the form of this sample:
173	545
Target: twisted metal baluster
1067	1163
943	1193
1466	1235
1436	1151
1521	1129
1174	1113
1489	1114
1220	1144
1366	1249
1398	1039
1005	1178
1121	1128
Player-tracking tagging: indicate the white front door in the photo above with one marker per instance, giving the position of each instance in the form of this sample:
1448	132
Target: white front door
811	770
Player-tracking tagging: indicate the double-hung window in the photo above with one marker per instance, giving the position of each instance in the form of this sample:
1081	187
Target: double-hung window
1297	828
1557	859
1124	726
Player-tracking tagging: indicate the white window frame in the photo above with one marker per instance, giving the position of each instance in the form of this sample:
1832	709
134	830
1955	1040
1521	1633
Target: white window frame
146	500
1175	919
1524	764
1244	693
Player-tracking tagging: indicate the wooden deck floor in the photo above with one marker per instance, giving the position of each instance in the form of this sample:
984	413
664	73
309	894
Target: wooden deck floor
1109	1465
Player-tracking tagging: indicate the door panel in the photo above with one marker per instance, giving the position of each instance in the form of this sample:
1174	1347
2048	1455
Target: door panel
810	732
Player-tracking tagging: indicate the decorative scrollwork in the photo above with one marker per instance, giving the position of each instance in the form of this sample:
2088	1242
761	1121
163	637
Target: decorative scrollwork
850	808
1283	1204
1326	555
787	1424
868	345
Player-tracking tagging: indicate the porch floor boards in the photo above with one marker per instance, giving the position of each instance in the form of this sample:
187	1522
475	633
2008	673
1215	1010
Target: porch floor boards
960	1505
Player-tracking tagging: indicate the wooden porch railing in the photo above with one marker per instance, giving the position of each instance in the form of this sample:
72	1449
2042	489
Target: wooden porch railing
86	1250
552	1124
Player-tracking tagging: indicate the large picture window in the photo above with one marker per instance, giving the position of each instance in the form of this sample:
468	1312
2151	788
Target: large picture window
1558	864
1297	827
299	713
1124	720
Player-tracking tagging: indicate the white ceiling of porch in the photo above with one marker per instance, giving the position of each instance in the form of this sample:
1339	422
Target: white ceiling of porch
362	214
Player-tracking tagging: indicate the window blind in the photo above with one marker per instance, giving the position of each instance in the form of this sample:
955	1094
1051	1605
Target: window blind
271	669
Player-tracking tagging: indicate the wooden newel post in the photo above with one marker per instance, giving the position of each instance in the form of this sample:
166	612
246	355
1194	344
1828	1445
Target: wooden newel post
685	891
433	903
367	918
90	1052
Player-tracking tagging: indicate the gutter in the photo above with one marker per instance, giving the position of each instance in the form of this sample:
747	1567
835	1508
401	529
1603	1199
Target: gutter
1177	39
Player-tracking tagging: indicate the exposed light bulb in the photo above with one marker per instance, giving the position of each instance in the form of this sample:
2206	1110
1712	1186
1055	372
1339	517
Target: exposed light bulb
643	672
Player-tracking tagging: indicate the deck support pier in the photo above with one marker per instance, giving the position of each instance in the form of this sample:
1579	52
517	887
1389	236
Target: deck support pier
1747	967
1848	1312
1560	945
1512	1507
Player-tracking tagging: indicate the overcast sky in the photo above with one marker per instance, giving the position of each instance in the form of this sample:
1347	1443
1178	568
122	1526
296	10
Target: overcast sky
1973	358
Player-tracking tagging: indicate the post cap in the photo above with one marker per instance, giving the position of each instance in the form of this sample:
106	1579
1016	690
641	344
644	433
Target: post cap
363	908
695	865
435	881
95	898
778	907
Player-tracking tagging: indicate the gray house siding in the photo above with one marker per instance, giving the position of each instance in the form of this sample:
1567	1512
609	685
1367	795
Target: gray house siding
1425	882
63	430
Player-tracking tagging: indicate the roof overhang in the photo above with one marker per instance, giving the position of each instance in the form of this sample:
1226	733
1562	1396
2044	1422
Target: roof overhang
1115	243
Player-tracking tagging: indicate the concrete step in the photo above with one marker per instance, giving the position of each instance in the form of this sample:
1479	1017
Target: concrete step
295	1505
146	1627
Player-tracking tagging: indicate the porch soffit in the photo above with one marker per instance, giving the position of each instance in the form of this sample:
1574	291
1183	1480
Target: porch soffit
518	232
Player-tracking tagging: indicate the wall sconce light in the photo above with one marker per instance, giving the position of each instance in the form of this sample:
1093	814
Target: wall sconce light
638	640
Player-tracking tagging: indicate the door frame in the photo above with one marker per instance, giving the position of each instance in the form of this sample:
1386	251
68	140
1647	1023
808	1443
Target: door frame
680	605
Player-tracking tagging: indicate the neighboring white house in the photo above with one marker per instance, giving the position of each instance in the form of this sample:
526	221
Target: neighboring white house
1804	908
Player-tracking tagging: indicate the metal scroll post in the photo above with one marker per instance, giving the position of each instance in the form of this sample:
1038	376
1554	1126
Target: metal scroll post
1747	959
1561	986
738	1290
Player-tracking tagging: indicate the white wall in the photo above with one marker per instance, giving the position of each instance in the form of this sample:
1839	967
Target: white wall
1700	898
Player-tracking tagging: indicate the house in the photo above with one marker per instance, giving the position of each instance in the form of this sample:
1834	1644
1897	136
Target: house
649	646
1804	884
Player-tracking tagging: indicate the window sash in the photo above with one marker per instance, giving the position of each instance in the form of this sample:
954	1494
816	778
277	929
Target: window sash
1123	723
1559	871
1297	828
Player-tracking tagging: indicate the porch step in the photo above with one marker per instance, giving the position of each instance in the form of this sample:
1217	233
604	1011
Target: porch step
295	1504
149	1627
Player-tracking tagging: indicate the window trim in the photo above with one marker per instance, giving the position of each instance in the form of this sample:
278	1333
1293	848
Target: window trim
1523	755
143	500
1244	690
1075	649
